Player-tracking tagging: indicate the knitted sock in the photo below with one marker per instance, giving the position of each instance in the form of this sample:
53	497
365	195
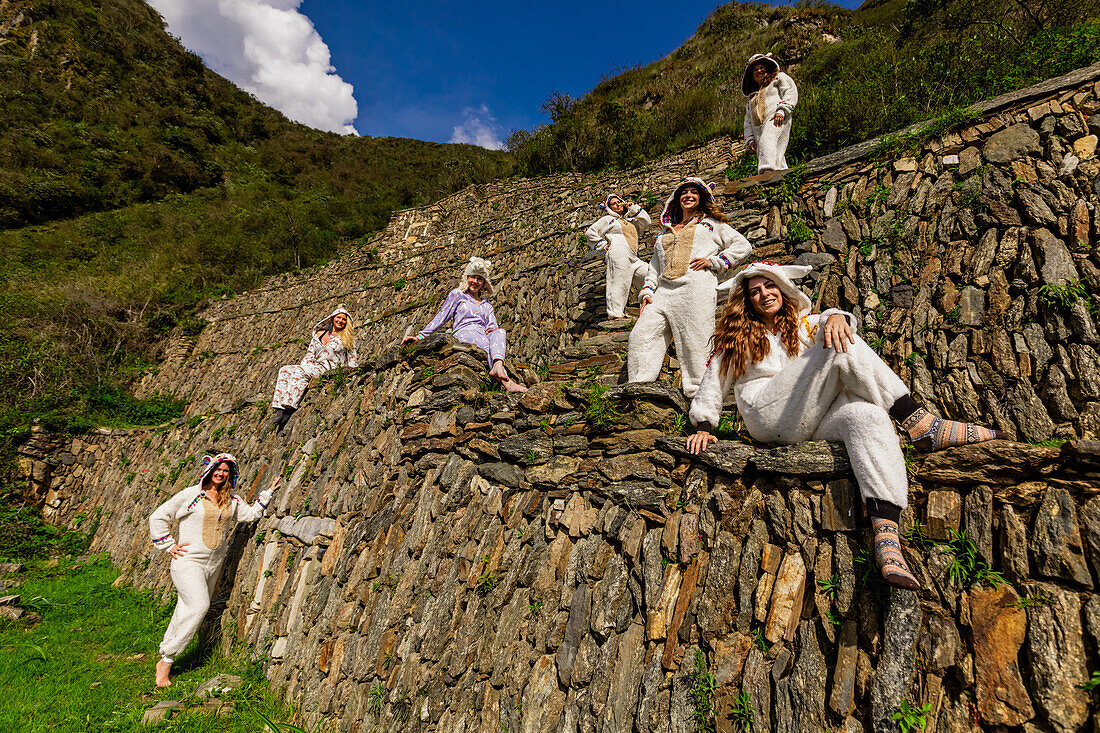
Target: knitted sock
888	555
930	433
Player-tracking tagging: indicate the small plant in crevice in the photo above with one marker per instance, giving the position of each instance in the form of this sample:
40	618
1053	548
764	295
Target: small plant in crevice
829	586
910	718
701	687
377	698
486	583
741	712
401	705
679	424
1036	601
967	569
761	641
1062	296
1092	683
602	410
798	231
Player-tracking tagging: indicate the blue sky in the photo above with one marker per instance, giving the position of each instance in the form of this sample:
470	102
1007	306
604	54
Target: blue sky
443	70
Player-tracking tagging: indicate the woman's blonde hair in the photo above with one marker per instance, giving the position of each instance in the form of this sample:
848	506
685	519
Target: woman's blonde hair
347	335
741	334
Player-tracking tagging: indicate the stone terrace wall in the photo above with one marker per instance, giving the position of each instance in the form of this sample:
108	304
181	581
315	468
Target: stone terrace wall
550	287
454	558
447	558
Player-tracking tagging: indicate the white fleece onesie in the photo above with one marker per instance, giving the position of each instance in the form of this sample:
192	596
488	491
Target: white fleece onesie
781	95
821	394
684	300
618	237
204	527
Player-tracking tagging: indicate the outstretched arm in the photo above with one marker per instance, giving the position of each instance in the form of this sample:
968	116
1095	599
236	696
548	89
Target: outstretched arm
255	510
446	313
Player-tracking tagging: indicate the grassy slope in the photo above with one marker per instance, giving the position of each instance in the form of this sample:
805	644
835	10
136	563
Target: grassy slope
88	665
896	62
134	182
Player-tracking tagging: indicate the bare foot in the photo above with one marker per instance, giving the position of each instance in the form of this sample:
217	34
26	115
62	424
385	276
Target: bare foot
512	385
163	668
498	372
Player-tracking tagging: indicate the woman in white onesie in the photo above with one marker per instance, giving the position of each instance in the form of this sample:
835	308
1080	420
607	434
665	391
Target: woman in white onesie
617	234
207	513
799	376
680	291
331	346
772	98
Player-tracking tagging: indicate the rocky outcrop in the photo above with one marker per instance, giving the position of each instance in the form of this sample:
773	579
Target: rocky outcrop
447	557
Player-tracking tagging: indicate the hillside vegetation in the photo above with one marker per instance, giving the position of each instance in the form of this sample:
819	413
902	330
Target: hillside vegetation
135	182
860	74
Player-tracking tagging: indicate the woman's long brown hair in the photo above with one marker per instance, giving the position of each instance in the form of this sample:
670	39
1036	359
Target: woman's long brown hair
743	336
708	205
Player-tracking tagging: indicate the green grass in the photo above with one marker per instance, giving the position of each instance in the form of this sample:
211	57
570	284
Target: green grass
88	665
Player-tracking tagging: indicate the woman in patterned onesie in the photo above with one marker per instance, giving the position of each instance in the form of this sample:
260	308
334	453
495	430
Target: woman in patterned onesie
474	320
617	235
679	296
772	98
801	376
332	346
207	513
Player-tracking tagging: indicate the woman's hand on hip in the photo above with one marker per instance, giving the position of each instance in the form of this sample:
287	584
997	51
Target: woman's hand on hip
752	145
700	263
778	118
700	441
838	334
177	551
645	301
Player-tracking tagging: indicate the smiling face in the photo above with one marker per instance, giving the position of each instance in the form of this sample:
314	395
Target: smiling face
475	283
616	204
220	476
760	72
339	321
689	199
765	297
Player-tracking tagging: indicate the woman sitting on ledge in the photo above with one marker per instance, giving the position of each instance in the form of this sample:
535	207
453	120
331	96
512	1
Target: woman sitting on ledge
799	376
474	320
332	346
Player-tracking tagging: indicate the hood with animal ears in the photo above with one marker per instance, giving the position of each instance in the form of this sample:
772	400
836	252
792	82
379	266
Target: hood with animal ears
748	84
483	269
708	194
782	275
209	464
607	203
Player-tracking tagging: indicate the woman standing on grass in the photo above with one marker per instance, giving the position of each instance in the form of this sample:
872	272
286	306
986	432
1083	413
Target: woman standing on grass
617	235
332	346
474	321
799	376
680	292
772	98
207	513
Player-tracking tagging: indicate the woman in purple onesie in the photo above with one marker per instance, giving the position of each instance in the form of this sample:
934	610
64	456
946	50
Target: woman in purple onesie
474	320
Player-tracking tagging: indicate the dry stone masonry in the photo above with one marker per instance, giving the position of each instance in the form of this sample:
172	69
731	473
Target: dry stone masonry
448	557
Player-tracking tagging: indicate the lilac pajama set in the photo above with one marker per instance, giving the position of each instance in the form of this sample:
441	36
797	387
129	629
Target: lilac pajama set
474	323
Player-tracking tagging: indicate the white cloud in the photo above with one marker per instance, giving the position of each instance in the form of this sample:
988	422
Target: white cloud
270	49
479	127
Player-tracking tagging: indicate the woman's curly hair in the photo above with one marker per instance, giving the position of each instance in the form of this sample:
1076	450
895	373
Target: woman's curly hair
743	337
708	205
